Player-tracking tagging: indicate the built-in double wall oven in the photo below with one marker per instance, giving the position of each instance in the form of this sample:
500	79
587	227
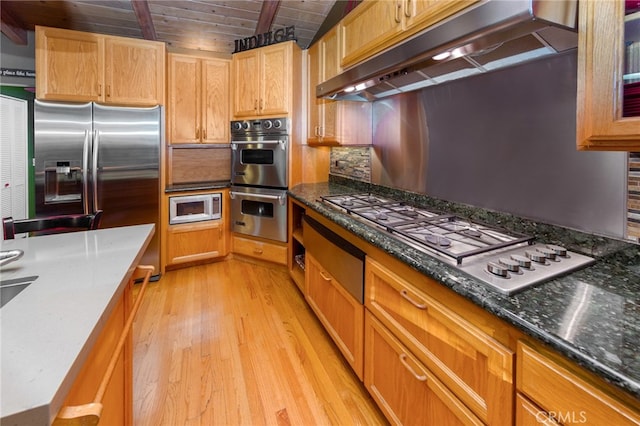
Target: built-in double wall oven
259	177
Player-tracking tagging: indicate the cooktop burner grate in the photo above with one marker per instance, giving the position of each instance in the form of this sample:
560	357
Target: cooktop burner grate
447	234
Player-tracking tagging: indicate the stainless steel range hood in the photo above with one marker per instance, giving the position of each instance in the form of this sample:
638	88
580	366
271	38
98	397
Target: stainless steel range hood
490	35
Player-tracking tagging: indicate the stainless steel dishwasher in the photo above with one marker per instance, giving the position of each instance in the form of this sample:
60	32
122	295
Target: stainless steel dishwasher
343	260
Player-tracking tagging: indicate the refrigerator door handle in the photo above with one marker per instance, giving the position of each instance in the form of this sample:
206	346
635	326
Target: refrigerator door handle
85	173
94	172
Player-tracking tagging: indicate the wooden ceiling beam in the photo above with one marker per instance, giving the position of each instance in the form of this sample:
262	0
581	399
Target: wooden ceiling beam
12	27
267	15
141	9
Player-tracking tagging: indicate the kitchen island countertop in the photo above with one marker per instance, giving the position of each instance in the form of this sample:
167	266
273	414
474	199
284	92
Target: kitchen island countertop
49	328
592	316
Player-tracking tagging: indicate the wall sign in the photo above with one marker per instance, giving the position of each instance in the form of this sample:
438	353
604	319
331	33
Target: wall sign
15	72
265	39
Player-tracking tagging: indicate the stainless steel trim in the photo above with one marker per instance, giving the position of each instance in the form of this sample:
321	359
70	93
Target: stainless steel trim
281	198
85	177
477	30
96	147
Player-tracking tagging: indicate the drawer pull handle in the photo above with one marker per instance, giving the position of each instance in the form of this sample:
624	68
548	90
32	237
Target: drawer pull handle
324	277
405	295
257	251
403	360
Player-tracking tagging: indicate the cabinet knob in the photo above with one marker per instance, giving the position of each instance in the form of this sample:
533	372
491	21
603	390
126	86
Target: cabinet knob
257	251
197	132
204	134
99	89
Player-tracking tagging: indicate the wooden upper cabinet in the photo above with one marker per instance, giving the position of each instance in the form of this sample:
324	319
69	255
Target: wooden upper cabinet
134	71
333	122
374	25
263	81
198	107
85	67
69	65
604	120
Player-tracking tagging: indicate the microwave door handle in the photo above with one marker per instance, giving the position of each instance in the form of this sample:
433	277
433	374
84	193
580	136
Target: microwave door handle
96	147
280	198
85	173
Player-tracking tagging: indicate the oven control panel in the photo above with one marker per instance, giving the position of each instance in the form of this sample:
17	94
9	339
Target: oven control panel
260	126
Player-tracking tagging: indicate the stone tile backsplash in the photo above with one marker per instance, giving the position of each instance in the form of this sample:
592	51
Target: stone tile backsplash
351	162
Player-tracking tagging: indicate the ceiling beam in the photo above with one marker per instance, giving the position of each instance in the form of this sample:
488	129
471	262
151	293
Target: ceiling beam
12	27
141	9
267	15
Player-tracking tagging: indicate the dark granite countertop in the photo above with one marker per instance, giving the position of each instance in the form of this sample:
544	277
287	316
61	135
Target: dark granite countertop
197	186
592	316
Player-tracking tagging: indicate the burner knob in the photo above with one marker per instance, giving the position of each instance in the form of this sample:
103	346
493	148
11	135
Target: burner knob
522	261
277	124
548	253
536	256
267	124
245	126
560	251
236	125
510	264
497	269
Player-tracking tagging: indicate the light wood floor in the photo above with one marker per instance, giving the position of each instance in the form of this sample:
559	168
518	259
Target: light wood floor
234	343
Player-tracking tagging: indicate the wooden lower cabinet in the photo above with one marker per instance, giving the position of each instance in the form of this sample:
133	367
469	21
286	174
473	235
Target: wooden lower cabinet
478	369
260	249
118	398
340	313
568	394
529	414
196	241
405	390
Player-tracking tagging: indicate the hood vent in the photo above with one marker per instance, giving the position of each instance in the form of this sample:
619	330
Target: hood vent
490	35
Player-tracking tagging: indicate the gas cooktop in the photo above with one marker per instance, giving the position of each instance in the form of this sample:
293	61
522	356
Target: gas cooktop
506	260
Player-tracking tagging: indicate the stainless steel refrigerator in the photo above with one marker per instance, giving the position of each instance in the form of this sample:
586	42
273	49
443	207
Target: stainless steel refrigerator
92	157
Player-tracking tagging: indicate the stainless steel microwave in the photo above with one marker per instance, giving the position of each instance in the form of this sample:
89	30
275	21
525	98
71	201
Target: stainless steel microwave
195	208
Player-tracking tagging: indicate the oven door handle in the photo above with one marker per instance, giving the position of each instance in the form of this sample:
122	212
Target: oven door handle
280	198
278	142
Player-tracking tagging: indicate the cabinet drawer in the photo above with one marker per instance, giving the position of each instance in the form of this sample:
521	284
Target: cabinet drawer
269	252
193	242
476	367
570	398
529	414
340	313
406	391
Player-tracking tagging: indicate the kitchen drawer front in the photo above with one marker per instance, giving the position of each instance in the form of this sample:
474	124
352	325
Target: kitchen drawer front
270	252
529	414
572	399
194	242
405	390
477	368
340	313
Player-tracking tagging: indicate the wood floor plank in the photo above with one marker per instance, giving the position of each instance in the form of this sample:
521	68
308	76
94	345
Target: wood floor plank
234	343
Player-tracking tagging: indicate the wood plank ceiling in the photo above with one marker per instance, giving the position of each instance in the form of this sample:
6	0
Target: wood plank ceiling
182	24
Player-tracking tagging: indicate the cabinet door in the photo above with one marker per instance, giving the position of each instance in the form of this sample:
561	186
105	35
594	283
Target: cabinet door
183	110
341	314
369	28
246	81
69	65
421	14
275	79
601	65
191	242
549	382
314	116
134	72
477	368
215	101
118	397
404	389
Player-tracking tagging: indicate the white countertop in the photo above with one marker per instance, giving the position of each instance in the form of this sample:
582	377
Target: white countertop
47	331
